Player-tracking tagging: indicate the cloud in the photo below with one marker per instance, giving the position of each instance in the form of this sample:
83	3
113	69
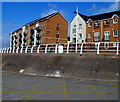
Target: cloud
10	24
52	5
110	8
50	11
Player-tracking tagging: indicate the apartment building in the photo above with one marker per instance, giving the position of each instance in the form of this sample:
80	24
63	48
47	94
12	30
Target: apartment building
52	29
103	27
97	28
78	28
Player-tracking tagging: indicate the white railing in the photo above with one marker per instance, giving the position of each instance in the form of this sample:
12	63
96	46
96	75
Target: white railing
81	48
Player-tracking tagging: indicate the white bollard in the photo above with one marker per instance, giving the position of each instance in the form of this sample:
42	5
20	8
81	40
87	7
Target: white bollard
7	50
13	50
2	50
38	49
10	50
56	48
17	49
117	48
46	48
32	49
21	50
98	49
26	49
81	49
68	48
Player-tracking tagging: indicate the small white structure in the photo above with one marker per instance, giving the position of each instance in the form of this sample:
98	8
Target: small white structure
21	71
60	49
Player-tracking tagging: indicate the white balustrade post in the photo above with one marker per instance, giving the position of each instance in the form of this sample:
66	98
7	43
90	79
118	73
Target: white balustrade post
2	51
13	50
32	49
81	49
38	49
46	48
117	48
56	48
21	50
10	50
17	49
98	48
26	49
7	50
68	48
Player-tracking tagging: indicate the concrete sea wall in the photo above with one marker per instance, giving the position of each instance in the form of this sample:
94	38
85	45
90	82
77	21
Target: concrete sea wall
103	67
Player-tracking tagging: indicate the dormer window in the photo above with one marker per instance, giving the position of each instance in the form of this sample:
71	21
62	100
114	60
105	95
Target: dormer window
89	24
115	20
106	22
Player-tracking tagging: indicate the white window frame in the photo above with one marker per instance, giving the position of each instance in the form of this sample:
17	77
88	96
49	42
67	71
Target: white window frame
74	30
114	21
89	37
97	36
79	35
89	24
104	35
114	33
80	27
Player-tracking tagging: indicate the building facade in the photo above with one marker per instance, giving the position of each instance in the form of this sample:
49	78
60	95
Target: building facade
52	29
78	28
97	28
103	27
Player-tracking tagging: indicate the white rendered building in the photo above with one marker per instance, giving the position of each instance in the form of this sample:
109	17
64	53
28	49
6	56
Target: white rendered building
78	27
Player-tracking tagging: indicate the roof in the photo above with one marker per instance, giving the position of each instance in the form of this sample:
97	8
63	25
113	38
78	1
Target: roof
39	20
100	16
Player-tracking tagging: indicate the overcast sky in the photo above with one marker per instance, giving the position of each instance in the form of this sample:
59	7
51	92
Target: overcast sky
16	14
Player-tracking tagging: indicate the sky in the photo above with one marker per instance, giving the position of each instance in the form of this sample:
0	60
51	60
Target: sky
16	14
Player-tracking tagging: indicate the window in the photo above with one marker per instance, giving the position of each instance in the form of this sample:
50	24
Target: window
57	41
96	36
74	30
89	24
89	35
115	33
107	35
57	25
97	23
106	45
115	44
115	20
106	22
80	36
80	25
75	25
57	32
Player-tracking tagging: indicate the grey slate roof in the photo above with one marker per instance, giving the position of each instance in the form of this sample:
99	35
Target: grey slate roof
100	16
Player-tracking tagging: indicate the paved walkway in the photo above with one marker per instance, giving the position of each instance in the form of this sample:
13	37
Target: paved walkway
23	87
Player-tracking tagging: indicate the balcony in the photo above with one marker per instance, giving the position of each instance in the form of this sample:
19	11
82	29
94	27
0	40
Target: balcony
106	25
57	28
96	26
